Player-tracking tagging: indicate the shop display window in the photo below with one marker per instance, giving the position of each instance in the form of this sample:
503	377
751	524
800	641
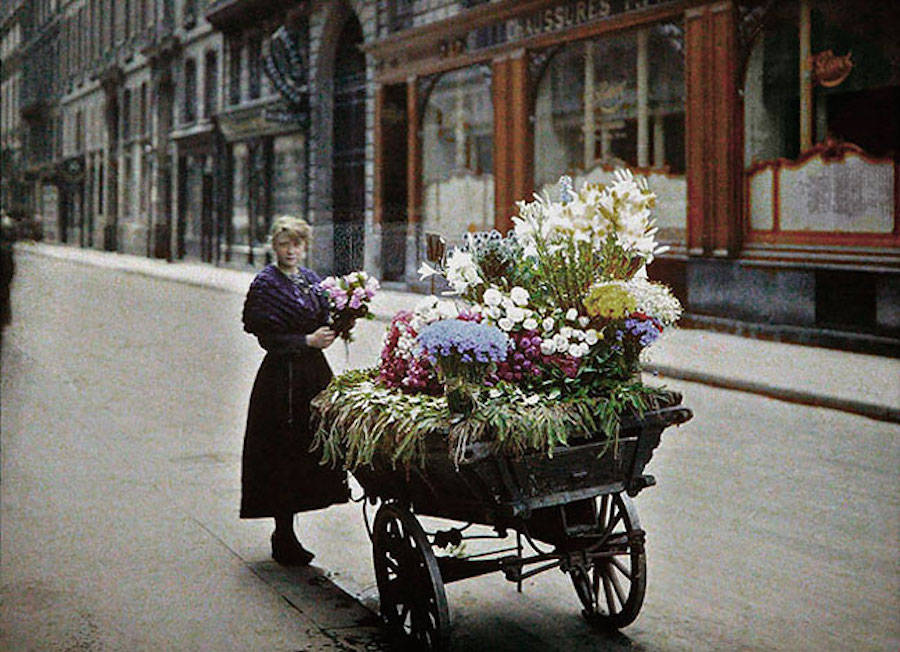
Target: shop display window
287	175
240	216
457	154
822	121
614	101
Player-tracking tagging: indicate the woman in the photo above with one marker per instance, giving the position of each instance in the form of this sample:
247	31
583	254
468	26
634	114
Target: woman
280	476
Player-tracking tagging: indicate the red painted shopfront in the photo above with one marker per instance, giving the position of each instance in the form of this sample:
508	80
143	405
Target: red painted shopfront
769	132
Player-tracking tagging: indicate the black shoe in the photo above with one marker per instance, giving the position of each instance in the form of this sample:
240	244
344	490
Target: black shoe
289	552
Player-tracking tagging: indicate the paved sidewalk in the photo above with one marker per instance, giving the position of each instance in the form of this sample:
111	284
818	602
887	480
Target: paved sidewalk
862	384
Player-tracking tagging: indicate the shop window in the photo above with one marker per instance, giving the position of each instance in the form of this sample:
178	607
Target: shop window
287	175
126	115
210	84
254	67
144	109
400	14
190	91
240	217
457	154
234	74
822	121
617	101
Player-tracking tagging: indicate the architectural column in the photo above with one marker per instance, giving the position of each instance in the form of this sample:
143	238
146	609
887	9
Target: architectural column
643	118
659	141
712	130
513	160
806	88
590	126
413	180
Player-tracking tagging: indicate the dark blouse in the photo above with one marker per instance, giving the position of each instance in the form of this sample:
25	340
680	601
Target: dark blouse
281	310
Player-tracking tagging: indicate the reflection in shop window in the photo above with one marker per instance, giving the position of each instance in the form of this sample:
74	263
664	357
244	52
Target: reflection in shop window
617	101
240	217
457	154
288	172
818	146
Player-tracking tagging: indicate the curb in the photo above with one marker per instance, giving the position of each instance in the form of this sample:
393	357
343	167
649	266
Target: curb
861	408
874	411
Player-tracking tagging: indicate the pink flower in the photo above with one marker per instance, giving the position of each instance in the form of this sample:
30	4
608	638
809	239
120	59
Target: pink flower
339	297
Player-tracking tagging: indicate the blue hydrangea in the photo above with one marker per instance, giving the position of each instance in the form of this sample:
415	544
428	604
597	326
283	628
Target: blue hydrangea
644	329
467	340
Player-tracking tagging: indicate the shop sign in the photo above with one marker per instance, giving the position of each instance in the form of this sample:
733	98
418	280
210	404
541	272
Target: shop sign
830	70
554	19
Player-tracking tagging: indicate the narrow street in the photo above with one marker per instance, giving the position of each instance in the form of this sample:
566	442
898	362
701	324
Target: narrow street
773	526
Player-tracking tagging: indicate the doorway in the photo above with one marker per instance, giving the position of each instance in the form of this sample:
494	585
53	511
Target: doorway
349	138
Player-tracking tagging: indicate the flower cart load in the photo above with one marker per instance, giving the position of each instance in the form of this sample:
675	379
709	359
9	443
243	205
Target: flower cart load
517	403
481	469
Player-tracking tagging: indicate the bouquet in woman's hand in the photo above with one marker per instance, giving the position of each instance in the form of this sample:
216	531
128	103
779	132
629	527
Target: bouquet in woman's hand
348	300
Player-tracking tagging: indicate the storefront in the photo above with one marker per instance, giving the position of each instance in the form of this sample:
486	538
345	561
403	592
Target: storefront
768	131
264	169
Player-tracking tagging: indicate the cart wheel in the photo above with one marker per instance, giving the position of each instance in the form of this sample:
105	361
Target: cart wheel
612	588
411	591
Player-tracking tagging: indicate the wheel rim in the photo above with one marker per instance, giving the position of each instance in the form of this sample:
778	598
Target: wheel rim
413	602
611	588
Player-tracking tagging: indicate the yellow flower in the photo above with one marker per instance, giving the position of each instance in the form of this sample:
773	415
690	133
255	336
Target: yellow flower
609	300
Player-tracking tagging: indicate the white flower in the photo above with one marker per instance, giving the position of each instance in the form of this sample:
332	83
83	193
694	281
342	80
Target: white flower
575	350
515	314
548	324
530	324
426	270
531	399
461	271
591	337
447	309
492	297
425	304
571	314
566	332
495	393
584	321
576	335
519	295
505	324
548	347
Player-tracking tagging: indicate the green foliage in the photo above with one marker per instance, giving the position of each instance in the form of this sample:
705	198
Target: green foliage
356	419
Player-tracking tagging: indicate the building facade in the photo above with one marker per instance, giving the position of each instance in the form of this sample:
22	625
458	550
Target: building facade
768	130
12	181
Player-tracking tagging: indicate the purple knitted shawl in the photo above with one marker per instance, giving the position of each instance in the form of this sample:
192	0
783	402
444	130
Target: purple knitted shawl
275	305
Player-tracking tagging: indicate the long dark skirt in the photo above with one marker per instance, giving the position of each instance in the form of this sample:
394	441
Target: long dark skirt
280	475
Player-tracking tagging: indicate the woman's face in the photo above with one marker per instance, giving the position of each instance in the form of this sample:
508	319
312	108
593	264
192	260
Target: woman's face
289	252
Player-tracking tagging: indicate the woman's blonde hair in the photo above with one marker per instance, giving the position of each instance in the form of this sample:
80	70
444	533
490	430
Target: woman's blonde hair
295	228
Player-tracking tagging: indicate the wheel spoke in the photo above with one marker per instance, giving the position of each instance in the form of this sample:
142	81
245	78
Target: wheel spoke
604	507
622	569
612	524
610	601
608	571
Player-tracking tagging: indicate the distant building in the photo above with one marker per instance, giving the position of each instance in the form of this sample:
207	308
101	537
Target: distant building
12	192
769	130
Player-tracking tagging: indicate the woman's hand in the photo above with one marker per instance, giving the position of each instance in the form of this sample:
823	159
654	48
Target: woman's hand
321	338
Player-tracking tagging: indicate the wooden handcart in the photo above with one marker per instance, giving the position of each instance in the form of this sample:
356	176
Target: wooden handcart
572	511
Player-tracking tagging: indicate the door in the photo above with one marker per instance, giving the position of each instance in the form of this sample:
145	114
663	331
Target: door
348	178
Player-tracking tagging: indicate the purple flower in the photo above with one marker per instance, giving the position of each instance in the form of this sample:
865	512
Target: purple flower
469	340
